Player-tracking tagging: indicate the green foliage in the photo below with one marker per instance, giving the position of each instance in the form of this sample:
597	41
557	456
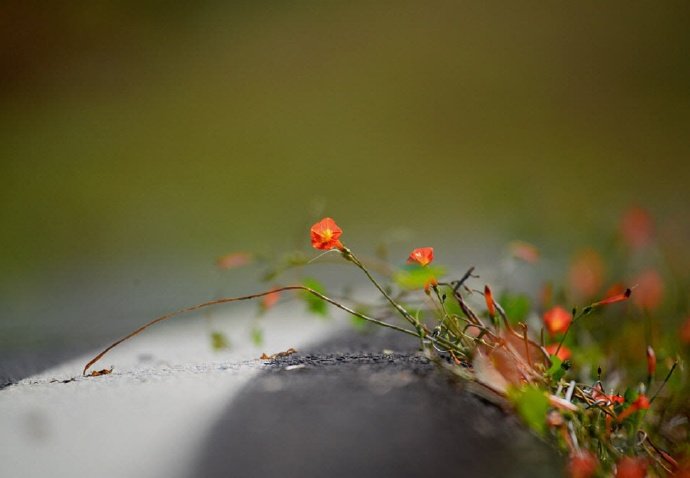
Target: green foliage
451	306
359	324
219	341
556	371
516	306
257	336
314	304
415	277
531	403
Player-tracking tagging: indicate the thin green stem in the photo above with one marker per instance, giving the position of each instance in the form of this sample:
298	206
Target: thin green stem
668	376
226	300
348	255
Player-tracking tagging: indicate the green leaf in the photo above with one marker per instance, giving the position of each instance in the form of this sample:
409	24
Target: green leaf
314	304
257	336
516	306
358	323
556	371
532	404
219	341
451	305
414	276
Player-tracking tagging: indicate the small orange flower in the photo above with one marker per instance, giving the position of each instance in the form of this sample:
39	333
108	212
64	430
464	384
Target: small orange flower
582	464
631	467
557	320
586	275
564	353
685	331
524	251
650	289
429	284
233	260
422	256
637	227
325	234
269	300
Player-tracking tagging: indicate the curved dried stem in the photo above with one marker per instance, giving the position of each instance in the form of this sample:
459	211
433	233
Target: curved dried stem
227	300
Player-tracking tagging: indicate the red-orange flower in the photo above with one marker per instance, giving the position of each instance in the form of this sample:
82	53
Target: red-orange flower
637	227
586	274
429	285
564	353
631	467
557	320
269	300
685	331
233	260
422	256
325	234
524	251
650	289
582	464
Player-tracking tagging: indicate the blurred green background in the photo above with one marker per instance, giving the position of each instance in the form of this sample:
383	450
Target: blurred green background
140	140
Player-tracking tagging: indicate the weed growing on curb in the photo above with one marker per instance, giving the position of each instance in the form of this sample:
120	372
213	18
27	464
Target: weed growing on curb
544	372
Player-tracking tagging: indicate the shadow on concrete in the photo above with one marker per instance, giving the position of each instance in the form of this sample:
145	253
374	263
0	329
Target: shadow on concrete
345	409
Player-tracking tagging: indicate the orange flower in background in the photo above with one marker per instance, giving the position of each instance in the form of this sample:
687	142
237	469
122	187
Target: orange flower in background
650	289
631	467
586	275
325	234
685	331
524	251
422	256
557	320
233	260
582	464
269	300
564	353
637	227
